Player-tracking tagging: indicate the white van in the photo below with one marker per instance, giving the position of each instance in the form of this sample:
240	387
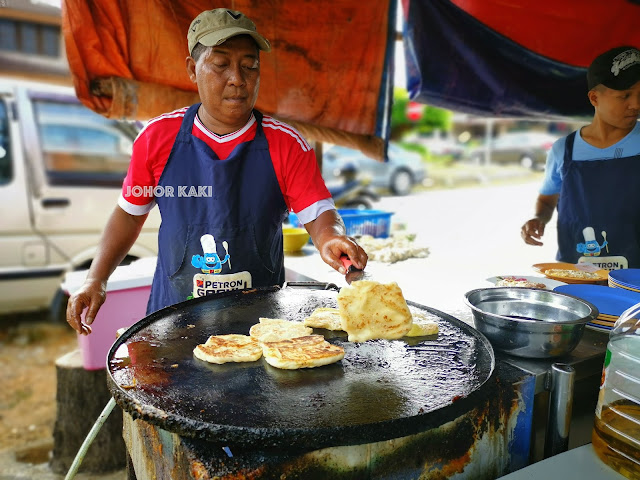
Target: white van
61	171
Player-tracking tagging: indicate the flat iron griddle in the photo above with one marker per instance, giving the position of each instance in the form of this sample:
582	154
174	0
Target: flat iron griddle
380	390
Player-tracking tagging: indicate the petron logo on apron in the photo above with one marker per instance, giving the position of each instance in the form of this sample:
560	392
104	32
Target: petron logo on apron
212	280
222	230
599	211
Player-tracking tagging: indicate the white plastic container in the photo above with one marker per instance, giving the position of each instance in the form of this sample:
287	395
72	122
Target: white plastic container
616	433
128	291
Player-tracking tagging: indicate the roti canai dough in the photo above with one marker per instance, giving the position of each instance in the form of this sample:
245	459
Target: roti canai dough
324	317
372	310
301	352
228	348
276	329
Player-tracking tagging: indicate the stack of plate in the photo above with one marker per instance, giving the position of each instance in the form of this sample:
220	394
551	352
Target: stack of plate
610	302
628	278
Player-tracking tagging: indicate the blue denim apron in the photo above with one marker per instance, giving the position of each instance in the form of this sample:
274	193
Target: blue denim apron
599	211
221	220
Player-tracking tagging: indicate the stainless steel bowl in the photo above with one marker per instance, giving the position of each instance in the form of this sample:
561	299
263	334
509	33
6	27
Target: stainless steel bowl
530	322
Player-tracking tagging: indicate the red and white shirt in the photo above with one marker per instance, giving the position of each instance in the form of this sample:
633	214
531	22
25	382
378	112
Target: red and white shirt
294	162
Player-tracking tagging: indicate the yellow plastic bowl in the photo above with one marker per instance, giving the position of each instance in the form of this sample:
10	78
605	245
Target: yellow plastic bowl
294	239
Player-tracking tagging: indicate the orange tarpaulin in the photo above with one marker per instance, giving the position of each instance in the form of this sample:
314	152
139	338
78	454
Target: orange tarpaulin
326	73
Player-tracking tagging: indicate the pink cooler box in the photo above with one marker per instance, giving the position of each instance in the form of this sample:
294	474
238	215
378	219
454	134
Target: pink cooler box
127	295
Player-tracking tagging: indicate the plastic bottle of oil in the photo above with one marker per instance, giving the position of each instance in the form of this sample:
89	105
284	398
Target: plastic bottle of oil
616	434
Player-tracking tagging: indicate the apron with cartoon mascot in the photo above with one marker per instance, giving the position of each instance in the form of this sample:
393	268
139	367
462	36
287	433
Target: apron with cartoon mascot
221	224
599	211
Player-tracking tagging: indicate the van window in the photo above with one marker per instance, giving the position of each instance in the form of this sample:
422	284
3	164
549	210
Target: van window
81	147
6	168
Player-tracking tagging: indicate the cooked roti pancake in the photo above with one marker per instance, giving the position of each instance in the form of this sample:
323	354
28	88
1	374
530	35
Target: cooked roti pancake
322	317
302	352
276	329
519	282
564	273
422	326
229	348
372	310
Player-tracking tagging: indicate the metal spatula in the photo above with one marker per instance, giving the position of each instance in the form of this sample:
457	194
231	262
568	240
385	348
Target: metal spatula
353	273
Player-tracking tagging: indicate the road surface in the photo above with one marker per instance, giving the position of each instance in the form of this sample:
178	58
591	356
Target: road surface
472	234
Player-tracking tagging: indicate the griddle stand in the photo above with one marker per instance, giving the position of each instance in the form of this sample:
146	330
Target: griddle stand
561	381
566	392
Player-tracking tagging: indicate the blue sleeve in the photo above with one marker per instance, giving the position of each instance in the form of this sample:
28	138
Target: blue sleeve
553	171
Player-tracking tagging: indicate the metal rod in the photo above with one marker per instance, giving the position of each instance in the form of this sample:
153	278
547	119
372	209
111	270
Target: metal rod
561	383
89	439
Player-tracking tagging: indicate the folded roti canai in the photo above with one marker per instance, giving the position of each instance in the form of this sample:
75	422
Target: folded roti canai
371	310
301	352
276	329
229	348
324	317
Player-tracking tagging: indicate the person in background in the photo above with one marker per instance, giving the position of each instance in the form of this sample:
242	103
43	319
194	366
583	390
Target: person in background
592	175
224	177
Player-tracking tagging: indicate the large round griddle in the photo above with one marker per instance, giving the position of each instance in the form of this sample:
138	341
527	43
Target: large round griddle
381	389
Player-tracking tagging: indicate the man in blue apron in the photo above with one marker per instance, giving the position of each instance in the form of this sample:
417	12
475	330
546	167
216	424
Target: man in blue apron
224	177
592	175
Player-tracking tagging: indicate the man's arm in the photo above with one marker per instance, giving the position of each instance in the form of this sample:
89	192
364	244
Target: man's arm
329	235
533	229
119	235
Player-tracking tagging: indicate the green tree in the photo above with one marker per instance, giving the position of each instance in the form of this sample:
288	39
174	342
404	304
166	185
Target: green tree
426	120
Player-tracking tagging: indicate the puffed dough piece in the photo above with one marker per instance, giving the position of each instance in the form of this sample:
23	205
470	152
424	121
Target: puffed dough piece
372	310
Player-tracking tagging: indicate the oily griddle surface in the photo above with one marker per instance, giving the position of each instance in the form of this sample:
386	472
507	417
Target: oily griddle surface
380	390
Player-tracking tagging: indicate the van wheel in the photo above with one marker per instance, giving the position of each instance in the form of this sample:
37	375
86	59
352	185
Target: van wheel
58	307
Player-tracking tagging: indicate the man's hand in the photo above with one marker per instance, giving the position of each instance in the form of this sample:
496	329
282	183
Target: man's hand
120	233
91	296
532	231
329	236
332	249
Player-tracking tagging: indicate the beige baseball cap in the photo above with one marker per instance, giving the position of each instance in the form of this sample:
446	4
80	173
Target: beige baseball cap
213	27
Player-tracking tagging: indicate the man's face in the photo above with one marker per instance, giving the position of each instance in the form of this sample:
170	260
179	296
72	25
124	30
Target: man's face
619	108
228	78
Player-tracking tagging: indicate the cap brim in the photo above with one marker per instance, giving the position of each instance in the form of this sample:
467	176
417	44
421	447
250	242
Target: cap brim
221	36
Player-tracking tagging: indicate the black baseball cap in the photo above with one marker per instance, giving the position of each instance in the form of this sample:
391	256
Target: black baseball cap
618	69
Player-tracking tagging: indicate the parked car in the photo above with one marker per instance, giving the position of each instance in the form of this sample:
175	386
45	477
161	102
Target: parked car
440	146
61	171
529	149
400	174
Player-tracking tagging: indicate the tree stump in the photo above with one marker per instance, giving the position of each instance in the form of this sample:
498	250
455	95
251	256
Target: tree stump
81	396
